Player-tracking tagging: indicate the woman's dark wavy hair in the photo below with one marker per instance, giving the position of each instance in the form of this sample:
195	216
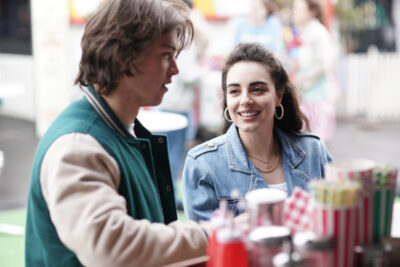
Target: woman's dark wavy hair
117	33
293	118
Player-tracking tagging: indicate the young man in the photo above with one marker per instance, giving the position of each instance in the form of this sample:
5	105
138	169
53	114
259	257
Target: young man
101	192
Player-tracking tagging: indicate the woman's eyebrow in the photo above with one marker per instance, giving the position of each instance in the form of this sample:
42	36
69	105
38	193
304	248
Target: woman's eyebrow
258	83
251	84
233	84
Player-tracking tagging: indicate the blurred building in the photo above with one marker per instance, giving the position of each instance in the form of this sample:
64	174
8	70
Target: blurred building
40	51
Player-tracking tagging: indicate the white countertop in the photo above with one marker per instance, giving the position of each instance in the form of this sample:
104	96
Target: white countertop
160	121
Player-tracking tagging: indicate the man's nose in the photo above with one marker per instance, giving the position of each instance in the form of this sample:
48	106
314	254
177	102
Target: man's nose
173	69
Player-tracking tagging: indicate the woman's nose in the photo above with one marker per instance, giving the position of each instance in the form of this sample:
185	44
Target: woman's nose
246	99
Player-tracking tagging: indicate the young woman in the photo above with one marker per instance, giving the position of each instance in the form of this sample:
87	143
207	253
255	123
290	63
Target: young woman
263	146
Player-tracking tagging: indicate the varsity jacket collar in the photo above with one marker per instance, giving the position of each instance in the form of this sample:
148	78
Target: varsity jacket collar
109	117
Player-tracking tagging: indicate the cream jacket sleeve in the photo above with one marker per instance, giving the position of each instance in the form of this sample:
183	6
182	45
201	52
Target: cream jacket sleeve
79	181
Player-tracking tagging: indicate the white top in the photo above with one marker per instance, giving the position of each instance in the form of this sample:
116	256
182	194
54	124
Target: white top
282	187
316	54
265	196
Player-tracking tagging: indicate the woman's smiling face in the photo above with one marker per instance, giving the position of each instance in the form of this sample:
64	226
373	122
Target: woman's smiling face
251	96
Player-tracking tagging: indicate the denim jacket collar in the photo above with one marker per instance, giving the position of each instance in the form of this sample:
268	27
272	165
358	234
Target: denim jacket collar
238	160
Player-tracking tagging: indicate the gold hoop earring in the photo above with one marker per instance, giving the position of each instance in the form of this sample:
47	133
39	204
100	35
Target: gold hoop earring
282	112
226	115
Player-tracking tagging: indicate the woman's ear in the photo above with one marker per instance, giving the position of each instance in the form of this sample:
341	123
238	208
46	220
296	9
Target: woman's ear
279	96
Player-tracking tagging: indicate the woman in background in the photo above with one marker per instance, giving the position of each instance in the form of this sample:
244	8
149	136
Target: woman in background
263	146
313	68
261	25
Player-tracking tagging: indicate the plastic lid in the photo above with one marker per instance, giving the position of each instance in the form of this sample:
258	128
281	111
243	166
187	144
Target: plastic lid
372	251
228	234
270	236
352	165
283	260
311	241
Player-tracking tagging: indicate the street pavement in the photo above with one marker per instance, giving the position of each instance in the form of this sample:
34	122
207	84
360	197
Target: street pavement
352	139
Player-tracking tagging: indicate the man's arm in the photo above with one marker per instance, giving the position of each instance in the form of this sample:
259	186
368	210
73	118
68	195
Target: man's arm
79	181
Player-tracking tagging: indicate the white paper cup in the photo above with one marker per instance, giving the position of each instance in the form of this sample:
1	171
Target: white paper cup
265	206
360	170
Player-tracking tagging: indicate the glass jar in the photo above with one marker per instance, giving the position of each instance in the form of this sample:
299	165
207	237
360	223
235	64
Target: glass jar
316	249
265	207
290	260
265	242
372	255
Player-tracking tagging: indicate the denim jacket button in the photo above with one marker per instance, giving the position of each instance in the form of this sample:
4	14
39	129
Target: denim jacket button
168	188
160	140
210	144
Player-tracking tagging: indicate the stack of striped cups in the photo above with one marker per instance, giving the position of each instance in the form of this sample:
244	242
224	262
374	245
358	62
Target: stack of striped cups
334	213
360	170
385	183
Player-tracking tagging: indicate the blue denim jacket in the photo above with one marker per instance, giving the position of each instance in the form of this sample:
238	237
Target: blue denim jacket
213	169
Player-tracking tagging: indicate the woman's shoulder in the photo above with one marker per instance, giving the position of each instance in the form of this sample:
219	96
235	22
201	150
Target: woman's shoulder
206	147
303	139
305	135
300	144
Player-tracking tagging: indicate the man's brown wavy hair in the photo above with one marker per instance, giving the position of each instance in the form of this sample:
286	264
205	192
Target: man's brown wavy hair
117	33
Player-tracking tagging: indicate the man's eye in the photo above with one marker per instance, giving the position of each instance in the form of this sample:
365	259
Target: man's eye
233	91
168	56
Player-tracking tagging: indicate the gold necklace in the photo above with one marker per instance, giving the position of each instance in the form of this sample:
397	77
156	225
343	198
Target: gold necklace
268	167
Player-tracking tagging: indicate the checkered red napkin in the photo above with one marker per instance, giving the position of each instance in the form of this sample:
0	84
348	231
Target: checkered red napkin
297	211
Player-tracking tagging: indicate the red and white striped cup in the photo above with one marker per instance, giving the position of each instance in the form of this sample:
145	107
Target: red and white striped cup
360	170
339	222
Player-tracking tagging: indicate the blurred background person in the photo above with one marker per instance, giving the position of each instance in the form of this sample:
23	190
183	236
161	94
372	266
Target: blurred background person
201	30
182	96
312	67
262	25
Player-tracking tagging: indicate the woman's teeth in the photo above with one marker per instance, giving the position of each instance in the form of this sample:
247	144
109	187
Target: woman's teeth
248	114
